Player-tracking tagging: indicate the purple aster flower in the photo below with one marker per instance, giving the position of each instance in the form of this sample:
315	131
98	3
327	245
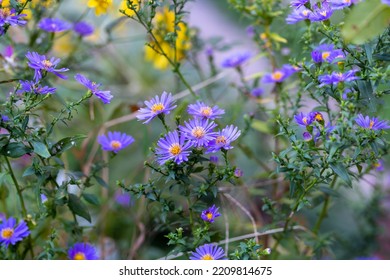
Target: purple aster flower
9	16
104	95
214	159
279	75
341	4
379	165
236	60
326	53
115	141
321	13
298	3
224	139
387	2
337	77
30	86
299	14
210	214
199	131
82	251
156	106
201	110
54	25
123	198
303	119
316	116
10	233
208	252
173	147
238	172
371	123
257	92
307	136
83	29
40	63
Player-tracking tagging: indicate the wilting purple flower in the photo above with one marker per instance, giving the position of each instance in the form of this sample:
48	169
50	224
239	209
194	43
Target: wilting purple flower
303	119
156	106
238	172
173	147
257	92
201	110
208	252
9	16
341	4
298	3
279	75
236	60
321	13
199	131
104	95
299	14
223	139
214	159
123	198
379	165
115	141
10	233
326	53
54	25
371	123
83	29
82	251
210	214
307	136
337	77
40	63
30	86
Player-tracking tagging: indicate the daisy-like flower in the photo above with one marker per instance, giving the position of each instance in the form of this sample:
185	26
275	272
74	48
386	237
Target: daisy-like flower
298	15
326	53
317	116
10	16
10	233
379	165
341	4
371	123
223	139
210	214
236	60
83	29
100	6
82	251
173	147
303	119
40	63
199	131
104	95
298	3
208	252
337	77
201	110
115	141
54	25
321	13
30	86
156	106
279	75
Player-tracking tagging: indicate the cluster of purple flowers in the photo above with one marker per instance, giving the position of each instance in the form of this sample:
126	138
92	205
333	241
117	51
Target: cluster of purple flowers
314	122
198	132
303	10
55	25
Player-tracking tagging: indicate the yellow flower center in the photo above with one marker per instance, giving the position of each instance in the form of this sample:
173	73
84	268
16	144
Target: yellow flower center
7	233
277	75
206	111
47	64
79	256
372	124
198	132
305	13
5	11
263	36
323	13
325	55
318	117
158	107
175	149
377	164
220	140
209	215
347	1
115	144
304	120
207	257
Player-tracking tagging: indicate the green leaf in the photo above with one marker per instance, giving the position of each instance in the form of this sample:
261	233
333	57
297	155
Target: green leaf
15	150
41	149
100	181
91	198
29	171
342	172
366	20
65	144
78	208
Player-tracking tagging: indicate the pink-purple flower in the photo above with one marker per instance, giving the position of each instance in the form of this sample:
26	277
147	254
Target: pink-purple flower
82	251
54	25
11	233
224	139
40	63
337	77
371	123
208	252
173	147
156	106
201	110
210	214
115	141
103	95
199	131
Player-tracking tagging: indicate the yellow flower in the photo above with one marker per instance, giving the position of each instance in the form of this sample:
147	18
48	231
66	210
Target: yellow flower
164	24
26	10
129	12
101	6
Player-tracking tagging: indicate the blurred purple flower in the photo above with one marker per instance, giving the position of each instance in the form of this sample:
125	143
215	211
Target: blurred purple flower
307	136
208	252
123	198
115	141
326	53
156	106
40	63
371	123
4	118
82	251
210	214
199	131
43	198
224	139
3	217
316	116
236	60
337	77
10	233
298	15
341	4
214	159
83	29
279	75
201	110
250	31
257	92
379	165
387	2
238	173
10	16
54	25
321	13
30	86
171	147
298	3
103	95
303	119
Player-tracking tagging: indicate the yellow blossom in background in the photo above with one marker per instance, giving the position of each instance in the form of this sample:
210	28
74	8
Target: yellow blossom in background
164	24
42	3
101	6
64	45
129	12
26	10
